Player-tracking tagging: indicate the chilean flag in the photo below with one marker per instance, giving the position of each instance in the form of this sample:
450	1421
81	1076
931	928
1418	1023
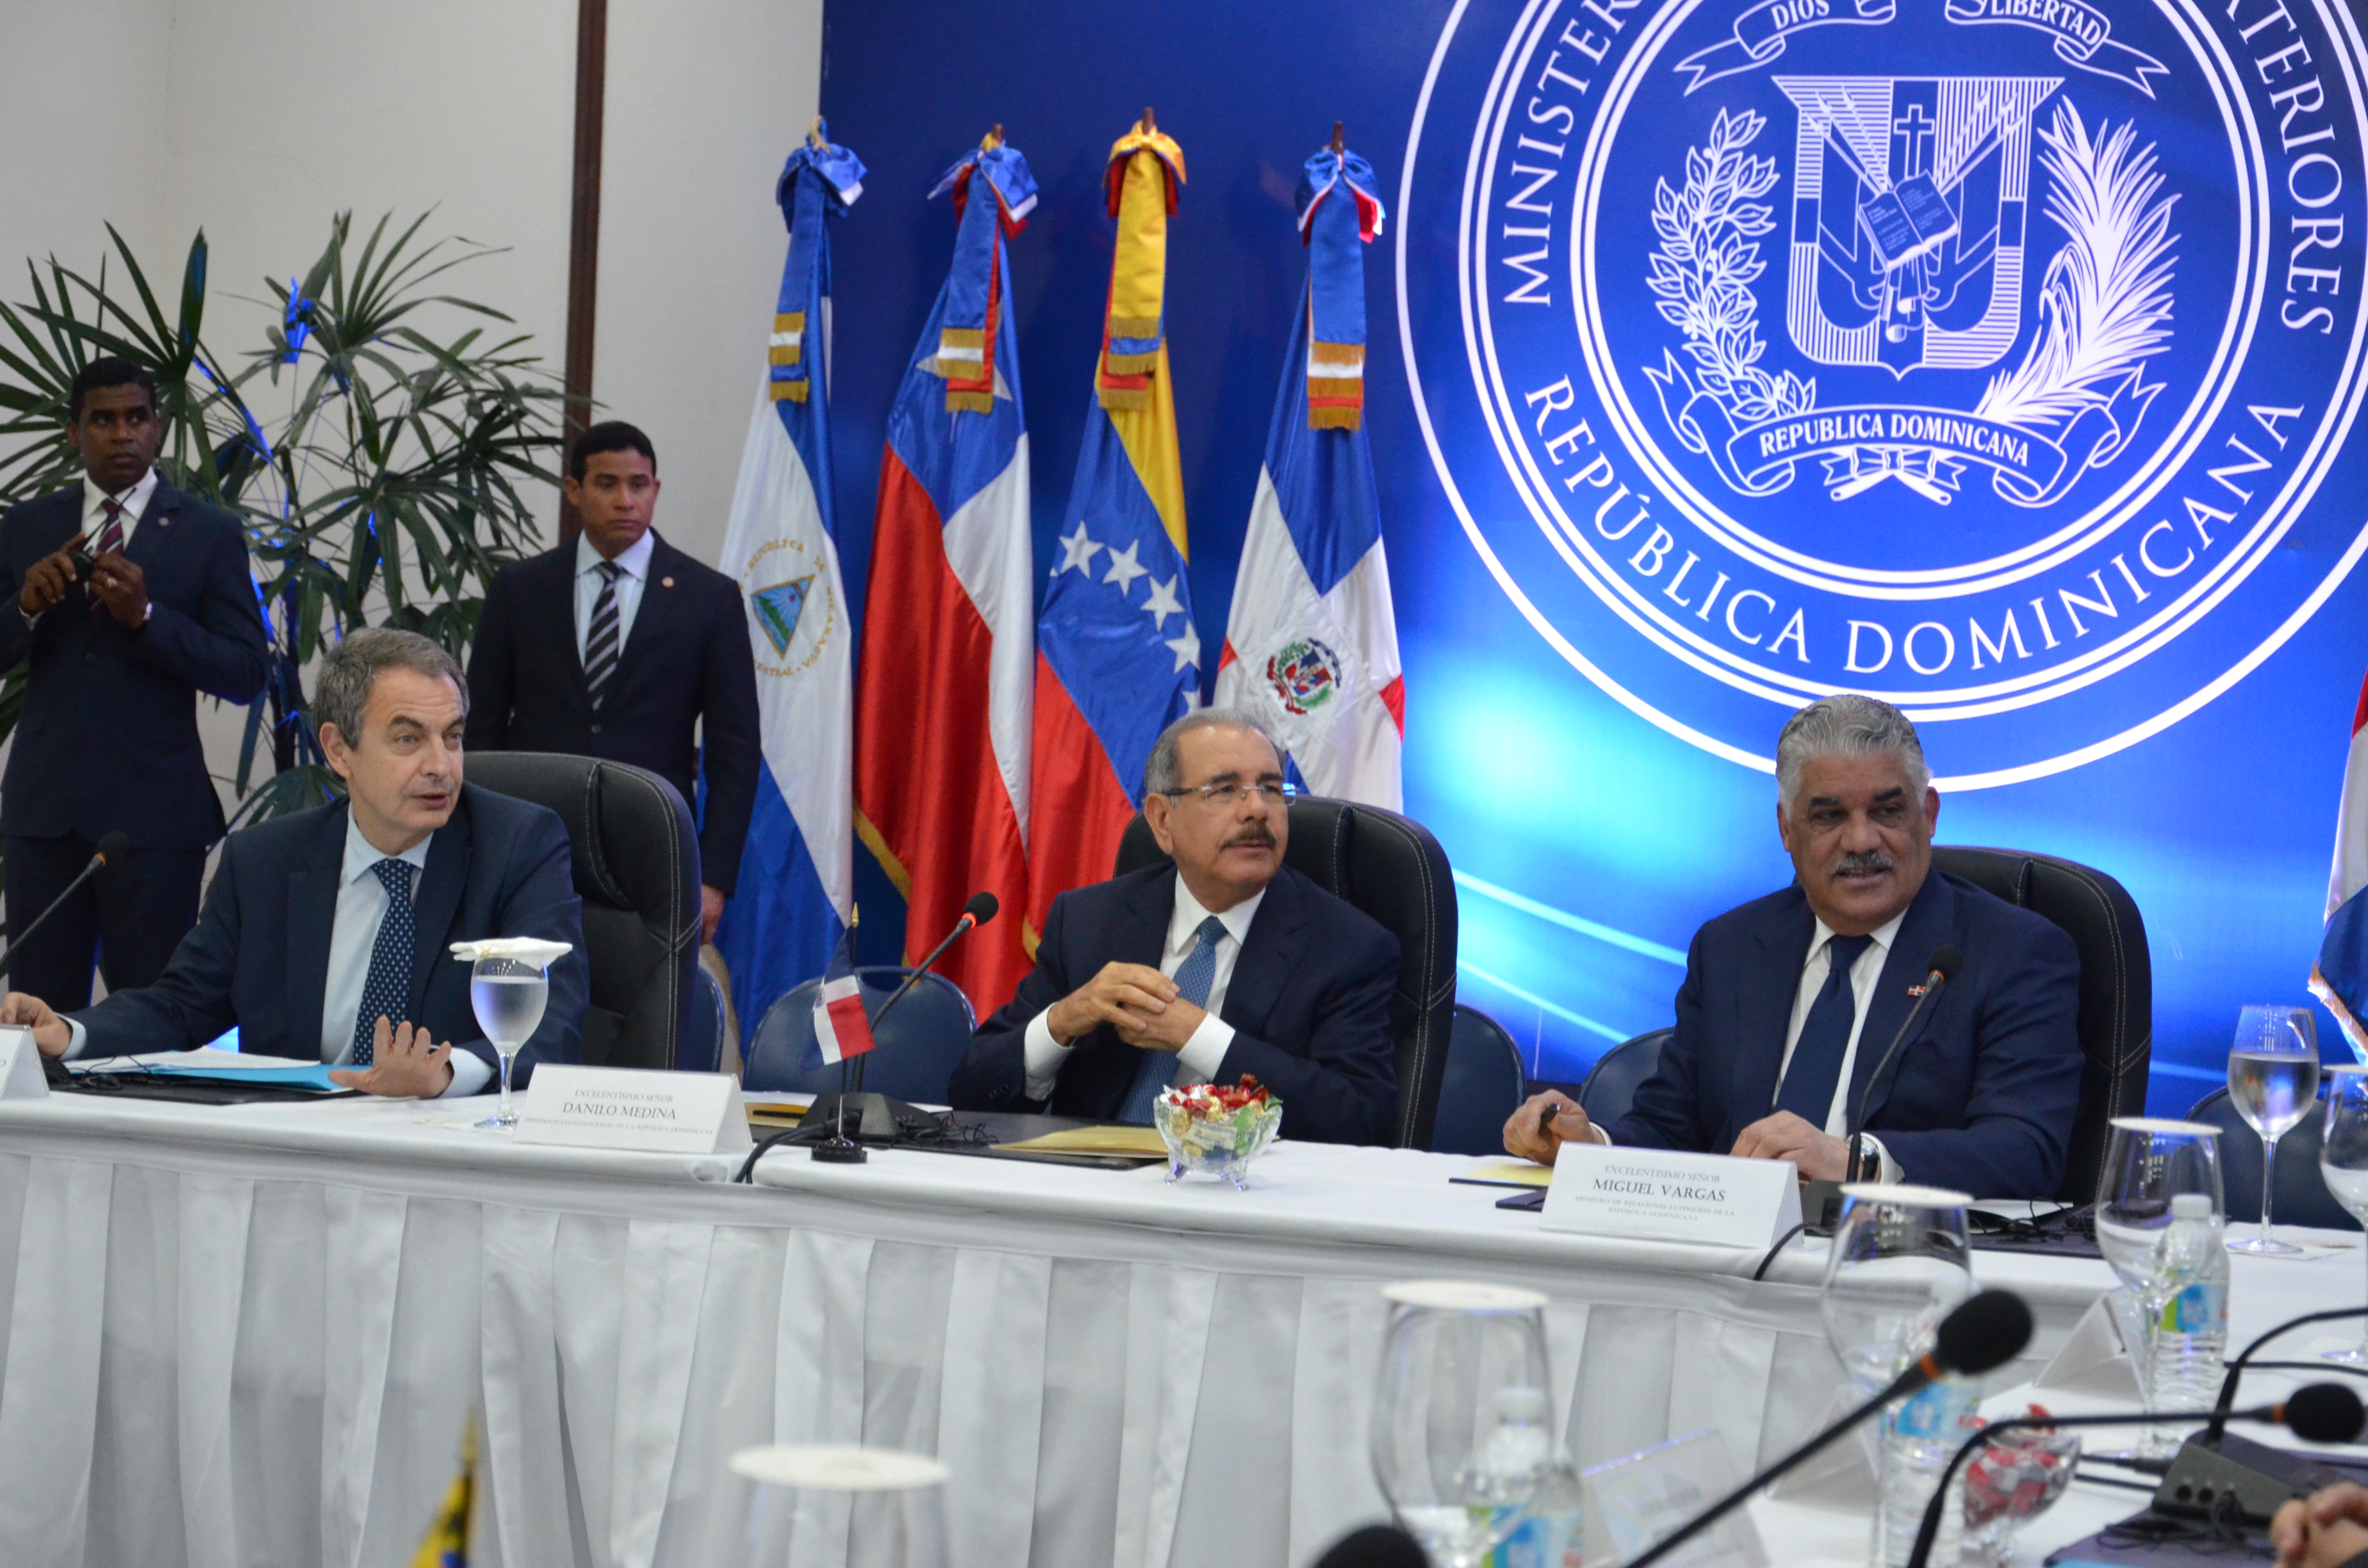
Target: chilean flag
1117	656
1311	645
797	885
2340	978
944	703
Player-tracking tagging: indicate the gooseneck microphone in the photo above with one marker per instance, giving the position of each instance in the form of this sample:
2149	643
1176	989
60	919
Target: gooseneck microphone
2251	1484
1984	1332
981	909
110	850
1942	969
2236	1372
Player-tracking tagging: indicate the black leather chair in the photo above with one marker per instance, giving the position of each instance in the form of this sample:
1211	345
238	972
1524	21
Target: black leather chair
637	870
1611	1084
914	1051
2116	985
1484	1083
2301	1198
1390	867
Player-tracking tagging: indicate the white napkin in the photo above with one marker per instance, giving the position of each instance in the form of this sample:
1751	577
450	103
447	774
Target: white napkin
526	950
2094	1360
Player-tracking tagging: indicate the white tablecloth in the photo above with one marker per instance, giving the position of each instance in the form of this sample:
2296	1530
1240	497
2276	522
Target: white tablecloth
253	1336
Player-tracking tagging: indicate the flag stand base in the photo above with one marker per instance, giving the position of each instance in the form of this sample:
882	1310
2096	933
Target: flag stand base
839	1151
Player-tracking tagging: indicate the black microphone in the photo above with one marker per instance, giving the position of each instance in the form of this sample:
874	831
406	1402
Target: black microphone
1375	1546
1821	1201
2322	1413
981	909
1984	1332
2236	1370
110	848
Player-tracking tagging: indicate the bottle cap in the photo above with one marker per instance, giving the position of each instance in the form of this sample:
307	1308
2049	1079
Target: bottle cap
2192	1206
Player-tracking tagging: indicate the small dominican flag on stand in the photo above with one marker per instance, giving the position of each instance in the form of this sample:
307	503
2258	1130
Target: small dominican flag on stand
1113	669
1311	645
797	874
842	1028
946	697
2340	978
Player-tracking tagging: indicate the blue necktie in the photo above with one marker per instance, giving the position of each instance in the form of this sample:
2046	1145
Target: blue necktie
386	993
1817	1067
1193	978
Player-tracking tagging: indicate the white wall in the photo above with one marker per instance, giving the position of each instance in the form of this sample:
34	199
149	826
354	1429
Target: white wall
69	169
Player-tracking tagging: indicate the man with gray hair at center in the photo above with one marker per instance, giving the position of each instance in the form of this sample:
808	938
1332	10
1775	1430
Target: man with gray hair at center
1790	1001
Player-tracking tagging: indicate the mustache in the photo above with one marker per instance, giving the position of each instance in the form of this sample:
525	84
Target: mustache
1257	835
1862	860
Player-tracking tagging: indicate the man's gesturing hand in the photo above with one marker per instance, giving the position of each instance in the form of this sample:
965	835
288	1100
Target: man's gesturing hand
1543	1124
1128	995
2324	1530
47	582
1816	1154
51	1036
404	1065
122	587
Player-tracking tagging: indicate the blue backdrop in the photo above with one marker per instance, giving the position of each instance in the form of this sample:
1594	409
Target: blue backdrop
1590	771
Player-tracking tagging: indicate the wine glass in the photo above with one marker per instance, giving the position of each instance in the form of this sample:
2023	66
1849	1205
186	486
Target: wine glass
1459	1436
837	1503
2344	1161
2148	1163
508	996
1900	1262
2272	1080
2011	1483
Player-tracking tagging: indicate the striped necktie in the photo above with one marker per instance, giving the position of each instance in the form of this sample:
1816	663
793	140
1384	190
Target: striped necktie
110	536
600	642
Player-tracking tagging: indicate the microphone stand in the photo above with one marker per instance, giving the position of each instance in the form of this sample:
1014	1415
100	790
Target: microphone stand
8	958
877	1114
1821	1200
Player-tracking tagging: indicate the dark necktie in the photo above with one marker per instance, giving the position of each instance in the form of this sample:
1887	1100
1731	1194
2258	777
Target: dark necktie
110	542
600	640
386	994
1817	1065
1194	976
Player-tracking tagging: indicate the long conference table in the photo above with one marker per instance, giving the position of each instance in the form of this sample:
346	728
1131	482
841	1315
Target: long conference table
255	1334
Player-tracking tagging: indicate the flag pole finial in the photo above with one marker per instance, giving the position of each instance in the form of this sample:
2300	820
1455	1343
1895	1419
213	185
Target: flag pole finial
814	135
994	139
1150	125
1338	145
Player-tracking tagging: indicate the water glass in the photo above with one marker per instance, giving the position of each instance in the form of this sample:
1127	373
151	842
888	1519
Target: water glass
508	996
2272	1080
828	1505
2147	1163
1458	1441
1900	1264
2344	1161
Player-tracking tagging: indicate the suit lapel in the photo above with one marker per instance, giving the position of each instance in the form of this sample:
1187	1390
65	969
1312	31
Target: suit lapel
554	597
440	886
1141	935
661	590
1276	938
153	538
1764	1011
312	916
1930	919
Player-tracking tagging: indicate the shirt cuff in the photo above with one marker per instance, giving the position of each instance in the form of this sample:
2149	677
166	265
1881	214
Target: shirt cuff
470	1074
1891	1173
81	1037
1597	1133
1206	1052
1044	1056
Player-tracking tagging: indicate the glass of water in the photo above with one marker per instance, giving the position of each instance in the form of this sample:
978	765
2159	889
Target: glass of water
2273	1082
2344	1161
509	996
2150	1164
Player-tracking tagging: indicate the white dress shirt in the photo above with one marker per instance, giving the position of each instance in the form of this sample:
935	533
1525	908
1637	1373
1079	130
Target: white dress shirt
361	909
632	576
1204	1052
1865	975
133	501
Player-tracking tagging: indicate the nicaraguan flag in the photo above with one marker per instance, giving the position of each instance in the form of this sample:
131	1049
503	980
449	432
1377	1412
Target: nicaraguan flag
797	881
942	773
2340	978
1117	656
1311	645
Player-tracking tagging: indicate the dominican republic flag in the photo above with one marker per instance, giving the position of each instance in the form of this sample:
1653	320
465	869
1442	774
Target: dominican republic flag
1312	646
797	884
1116	653
949	651
2340	978
842	1028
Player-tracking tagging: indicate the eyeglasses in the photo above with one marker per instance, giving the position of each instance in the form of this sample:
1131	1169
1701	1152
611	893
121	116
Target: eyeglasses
1225	797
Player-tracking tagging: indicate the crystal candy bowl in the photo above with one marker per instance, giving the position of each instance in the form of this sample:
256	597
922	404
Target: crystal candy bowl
1219	1143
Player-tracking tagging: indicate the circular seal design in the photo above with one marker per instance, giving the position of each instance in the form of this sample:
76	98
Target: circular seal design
789	603
1995	358
1304	675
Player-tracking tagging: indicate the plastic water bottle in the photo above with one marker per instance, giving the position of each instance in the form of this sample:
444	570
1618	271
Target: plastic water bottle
1513	1463
1919	1435
1549	1536
2188	1320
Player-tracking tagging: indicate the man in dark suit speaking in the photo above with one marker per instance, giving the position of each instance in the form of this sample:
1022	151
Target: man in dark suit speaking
131	598
1224	964
1790	1001
621	646
327	934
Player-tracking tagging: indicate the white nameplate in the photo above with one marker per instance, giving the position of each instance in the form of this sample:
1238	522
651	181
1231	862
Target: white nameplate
1633	1503
1656	1195
20	1066
625	1107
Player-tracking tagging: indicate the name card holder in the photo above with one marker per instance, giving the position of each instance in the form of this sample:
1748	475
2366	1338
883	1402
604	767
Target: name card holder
20	1066
1631	1504
1660	1196
624	1107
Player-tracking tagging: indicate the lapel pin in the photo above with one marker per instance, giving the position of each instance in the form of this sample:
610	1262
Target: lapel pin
666	582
